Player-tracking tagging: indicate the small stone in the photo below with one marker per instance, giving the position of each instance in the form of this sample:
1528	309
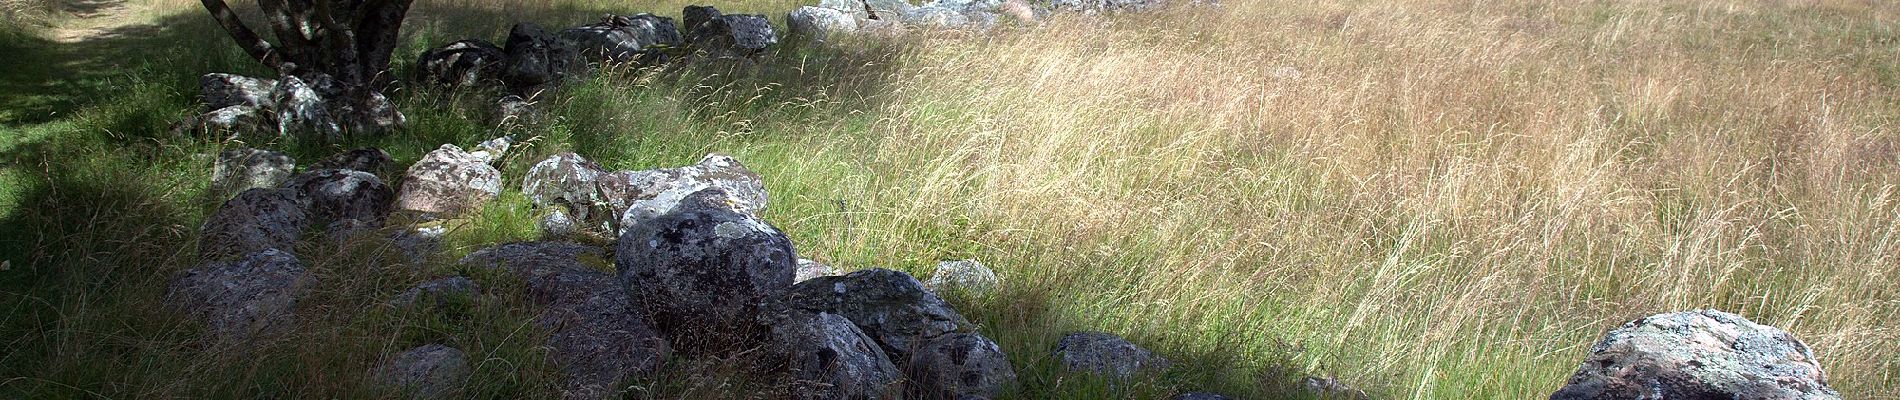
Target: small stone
643	195
243	168
1107	355
428	372
1200	396
830	358
1330	388
624	38
967	276
734	36
808	269
492	150
344	198
440	292
369	159
820	23
556	224
225	90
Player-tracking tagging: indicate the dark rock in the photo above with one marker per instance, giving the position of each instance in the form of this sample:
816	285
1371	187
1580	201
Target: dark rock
808	269
536	59
735	36
448	181
255	220
599	336
644	195
1704	354
1107	355
622	39
368	159
830	358
342	197
967	276
530	260
419	243
698	15
242	168
438	292
705	267
244	299
820	23
428	372
958	366
1200	396
891	306
225	90
467	62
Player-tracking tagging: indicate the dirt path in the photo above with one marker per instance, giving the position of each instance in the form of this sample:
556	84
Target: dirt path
98	19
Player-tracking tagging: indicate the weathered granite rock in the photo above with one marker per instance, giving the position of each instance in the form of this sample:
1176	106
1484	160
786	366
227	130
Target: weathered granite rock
734	35
820	23
492	151
1107	6
556	224
853	8
448	181
830	358
1704	354
696	15
643	195
536	60
344	198
222	90
255	220
966	276
889	10
244	299
706	266
808	269
624	38
1107	355
438	292
934	17
567	180
462	63
959	366
891	306
431	371
368	159
301	111
242	168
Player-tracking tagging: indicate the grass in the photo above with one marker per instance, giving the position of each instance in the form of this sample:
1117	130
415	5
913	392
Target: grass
1426	198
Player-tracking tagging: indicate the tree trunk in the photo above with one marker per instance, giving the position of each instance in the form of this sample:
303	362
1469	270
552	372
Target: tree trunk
340	47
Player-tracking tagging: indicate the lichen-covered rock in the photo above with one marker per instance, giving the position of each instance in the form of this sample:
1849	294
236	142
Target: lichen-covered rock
467	62
820	23
624	38
967	276
493	150
935	17
853	8
1200	396
696	15
891	306
529	260
369	159
448	181
1106	6
536	60
244	299
301	111
222	90
599	336
567	180
830	358
808	269
556	224
1704	354
438	292
342	197
1107	355
255	220
242	168
1331	388
643	195
734	35
888	10
705	265
958	366
431	371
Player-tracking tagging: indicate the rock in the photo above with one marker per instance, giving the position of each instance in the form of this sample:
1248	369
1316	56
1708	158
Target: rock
935	17
512	112
854	8
734	36
829	358
891	306
599	335
808	269
419	243
1106	355
958	366
491	151
1019	10
229	122
439	292
967	276
242	168
342	197
226	90
556	224
255	220
467	62
1329	388
531	260
820	23
643	195
428	372
1200	396
536	60
368	159
622	39
1703	354
705	265
448	181
1106	6
301	111
244	299
890	10
567	180
695	16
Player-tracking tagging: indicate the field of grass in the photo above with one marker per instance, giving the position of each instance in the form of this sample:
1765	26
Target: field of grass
1425	198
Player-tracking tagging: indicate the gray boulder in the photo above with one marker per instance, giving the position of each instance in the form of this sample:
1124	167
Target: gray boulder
705	265
891	306
623	38
829	358
556	224
643	195
492	151
448	181
344	198
888	10
808	269
255	220
536	60
244	299
1106	6
599	336
853	8
1703	354
820	23
935	17
567	180
959	366
222	90
1331	388
301	111
242	168
734	36
368	159
966	276
461	63
431	371
529	260
1107	355
438	292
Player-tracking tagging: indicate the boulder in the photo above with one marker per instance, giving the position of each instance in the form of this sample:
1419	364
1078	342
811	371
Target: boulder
888	10
599	336
243	299
222	90
1703	354
853	8
229	122
368	159
529	260
1106	6
830	358
344	198
418	243
966	276
623	39
808	269
643	195
536	59
556	224
513	111
301	111
734	36
448	181
1330	388
820	23
891	306
1107	355
467	62
255	220
935	17
242	168
438	292
705	266
959	366
567	180
492	151
695	16
431	371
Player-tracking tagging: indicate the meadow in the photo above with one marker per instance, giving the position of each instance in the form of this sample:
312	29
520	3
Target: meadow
1423	198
